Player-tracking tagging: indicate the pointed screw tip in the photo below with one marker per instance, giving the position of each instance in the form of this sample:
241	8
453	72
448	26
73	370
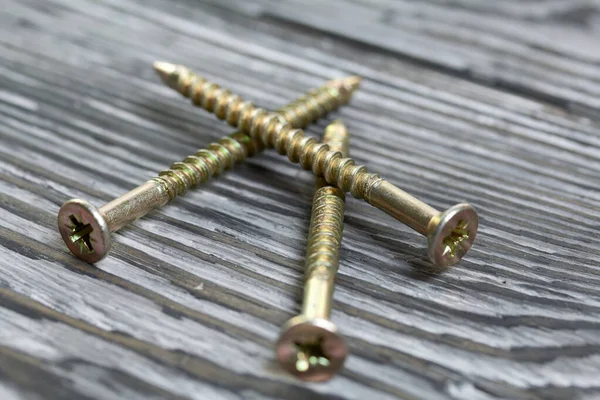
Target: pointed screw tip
353	81
350	82
164	69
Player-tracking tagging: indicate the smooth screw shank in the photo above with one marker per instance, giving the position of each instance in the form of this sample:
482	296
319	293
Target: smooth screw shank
450	233
309	345
86	230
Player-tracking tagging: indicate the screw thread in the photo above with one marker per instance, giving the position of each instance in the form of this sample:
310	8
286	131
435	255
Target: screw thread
327	218
230	150
273	131
313	105
337	170
325	234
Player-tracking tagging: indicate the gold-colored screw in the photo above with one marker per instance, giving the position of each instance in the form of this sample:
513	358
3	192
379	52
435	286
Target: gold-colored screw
450	233
86	229
309	346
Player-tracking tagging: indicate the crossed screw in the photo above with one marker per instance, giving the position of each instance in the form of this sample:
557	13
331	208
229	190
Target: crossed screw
309	345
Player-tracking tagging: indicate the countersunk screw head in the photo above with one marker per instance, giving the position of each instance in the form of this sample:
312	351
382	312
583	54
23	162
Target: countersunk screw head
311	349
452	234
84	230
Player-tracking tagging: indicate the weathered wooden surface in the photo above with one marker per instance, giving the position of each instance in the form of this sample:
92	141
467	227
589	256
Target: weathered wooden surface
548	49
190	301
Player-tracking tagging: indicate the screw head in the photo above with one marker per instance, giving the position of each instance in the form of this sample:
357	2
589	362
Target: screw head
311	349
453	235
84	230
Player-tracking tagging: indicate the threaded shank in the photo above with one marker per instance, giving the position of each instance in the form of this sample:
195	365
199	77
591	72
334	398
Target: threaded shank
327	222
230	150
205	163
274	132
310	107
325	235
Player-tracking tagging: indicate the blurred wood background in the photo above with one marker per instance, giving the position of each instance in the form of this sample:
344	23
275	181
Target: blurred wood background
494	103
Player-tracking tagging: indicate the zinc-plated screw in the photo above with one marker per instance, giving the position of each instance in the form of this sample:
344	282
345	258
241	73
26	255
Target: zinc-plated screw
86	229
450	233
309	345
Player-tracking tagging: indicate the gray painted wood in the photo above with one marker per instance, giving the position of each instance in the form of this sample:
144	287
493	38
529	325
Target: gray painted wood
542	49
190	301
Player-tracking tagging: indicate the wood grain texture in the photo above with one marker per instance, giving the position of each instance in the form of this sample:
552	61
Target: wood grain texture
542	49
191	299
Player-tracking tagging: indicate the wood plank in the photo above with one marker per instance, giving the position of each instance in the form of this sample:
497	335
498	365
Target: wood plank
547	50
194	294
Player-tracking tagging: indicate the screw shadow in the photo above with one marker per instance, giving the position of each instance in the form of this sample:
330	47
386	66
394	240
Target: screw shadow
423	270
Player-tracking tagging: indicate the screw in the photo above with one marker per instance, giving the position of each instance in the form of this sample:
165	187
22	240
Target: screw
86	229
309	345
450	233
